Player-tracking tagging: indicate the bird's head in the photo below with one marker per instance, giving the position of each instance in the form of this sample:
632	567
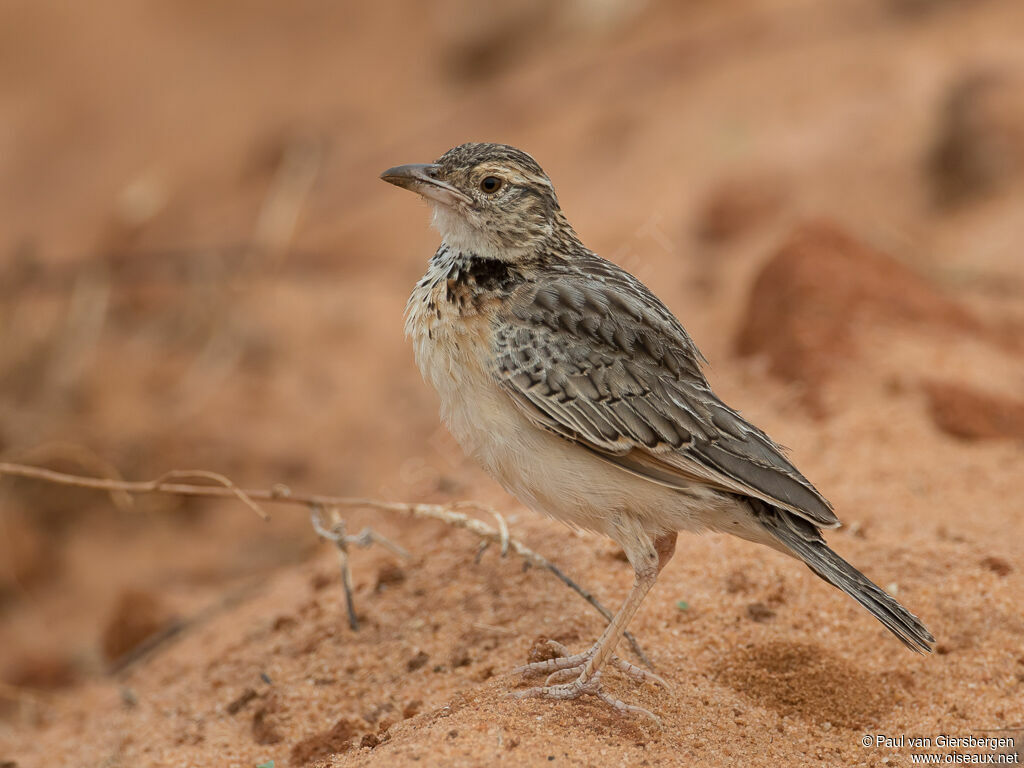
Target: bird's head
489	199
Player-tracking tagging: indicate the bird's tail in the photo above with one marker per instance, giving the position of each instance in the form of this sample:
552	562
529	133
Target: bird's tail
803	539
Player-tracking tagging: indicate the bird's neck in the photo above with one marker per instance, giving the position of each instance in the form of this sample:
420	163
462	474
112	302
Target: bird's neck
482	274
461	237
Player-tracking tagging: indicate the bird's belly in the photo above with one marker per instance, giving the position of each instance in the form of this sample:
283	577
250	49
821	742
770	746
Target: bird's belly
544	471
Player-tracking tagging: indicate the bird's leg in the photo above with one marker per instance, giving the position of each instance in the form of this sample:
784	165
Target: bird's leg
589	666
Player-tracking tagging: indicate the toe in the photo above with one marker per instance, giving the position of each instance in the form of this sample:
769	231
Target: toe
634	672
627	709
569	691
562	660
563	675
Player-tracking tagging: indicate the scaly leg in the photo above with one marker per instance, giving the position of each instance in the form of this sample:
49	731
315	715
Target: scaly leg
591	664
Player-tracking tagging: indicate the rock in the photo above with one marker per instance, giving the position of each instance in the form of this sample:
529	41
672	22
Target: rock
541	650
239	702
369	740
41	670
417	662
760	612
979	146
738	582
737	205
389	575
459	657
971	414
339	738
137	616
266	722
822	284
997	565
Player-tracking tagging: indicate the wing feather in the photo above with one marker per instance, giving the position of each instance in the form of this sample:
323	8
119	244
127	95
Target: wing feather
591	355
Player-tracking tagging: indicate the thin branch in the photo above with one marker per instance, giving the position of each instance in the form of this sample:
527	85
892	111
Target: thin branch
183	474
337	534
160	485
498	518
85	458
282	494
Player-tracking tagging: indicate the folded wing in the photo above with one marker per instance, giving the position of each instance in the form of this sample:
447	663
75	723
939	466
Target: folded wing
593	356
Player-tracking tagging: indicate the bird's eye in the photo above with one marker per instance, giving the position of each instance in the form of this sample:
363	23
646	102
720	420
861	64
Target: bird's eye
490	184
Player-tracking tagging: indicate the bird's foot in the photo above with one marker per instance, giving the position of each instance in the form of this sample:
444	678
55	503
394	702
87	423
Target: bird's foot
565	666
570	667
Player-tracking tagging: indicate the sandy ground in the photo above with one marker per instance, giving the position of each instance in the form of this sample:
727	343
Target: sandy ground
828	196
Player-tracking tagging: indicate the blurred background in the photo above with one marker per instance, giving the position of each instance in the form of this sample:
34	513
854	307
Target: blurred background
199	267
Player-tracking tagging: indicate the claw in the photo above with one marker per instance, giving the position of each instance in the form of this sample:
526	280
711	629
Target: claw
566	662
568	667
628	709
576	689
634	672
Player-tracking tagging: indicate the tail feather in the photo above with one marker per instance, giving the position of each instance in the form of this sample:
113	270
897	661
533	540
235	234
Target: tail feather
804	540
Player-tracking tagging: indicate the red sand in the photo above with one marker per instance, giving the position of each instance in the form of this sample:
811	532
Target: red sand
141	140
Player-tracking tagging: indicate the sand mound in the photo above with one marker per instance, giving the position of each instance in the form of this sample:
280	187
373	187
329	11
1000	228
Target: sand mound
972	414
809	301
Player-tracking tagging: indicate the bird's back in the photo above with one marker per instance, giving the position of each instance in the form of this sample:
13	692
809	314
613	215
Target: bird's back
589	353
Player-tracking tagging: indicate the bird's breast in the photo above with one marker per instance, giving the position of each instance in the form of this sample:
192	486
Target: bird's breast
449	325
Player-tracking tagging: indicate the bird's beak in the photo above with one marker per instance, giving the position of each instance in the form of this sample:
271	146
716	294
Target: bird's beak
422	178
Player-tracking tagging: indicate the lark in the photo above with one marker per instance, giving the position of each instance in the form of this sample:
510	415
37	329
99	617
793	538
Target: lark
583	396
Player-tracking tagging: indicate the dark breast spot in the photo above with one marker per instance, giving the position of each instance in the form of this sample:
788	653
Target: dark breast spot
477	278
491	274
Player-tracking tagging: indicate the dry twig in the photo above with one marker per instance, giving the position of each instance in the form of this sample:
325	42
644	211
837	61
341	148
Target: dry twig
281	494
85	459
336	533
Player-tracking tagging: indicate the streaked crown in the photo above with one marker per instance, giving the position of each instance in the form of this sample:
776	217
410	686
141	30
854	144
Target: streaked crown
490	199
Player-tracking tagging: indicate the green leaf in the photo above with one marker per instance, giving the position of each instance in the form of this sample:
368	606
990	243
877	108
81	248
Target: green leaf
682	605
268	764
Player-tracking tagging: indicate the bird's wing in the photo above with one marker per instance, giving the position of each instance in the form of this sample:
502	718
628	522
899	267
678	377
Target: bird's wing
590	354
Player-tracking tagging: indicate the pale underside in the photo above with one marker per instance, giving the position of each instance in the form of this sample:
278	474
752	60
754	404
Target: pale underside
583	396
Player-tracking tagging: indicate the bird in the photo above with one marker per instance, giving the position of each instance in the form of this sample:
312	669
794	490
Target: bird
584	397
